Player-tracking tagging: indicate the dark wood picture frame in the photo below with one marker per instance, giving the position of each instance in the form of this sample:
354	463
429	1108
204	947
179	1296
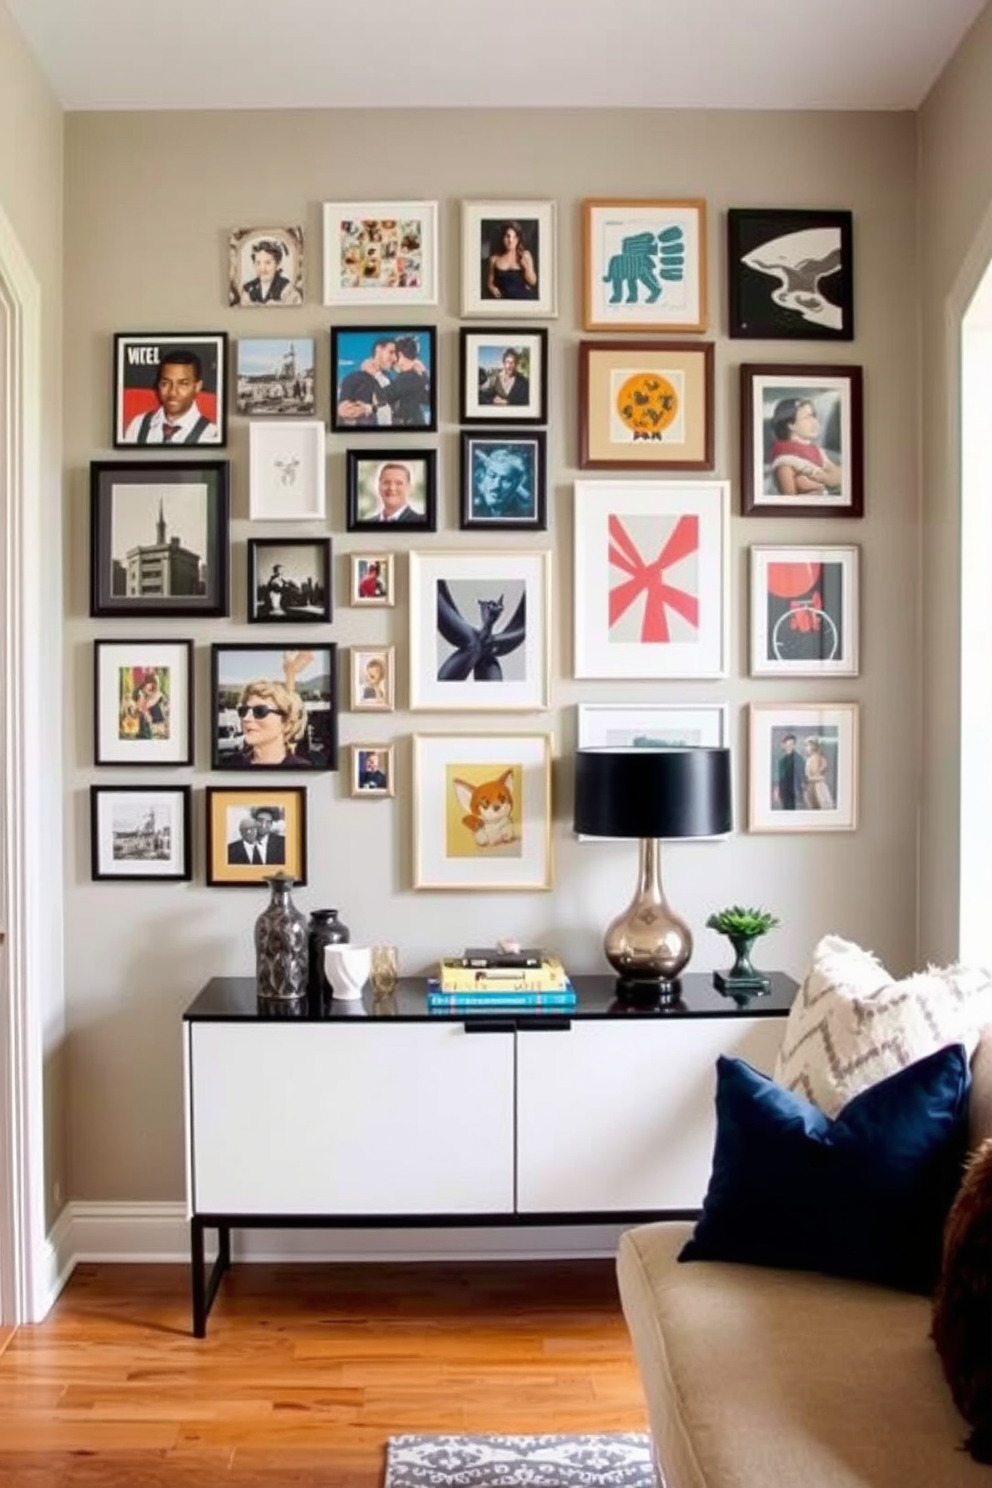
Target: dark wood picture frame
141	835
316	748
362	484
137	716
120	571
303	600
138	356
477	403
289	801
791	274
836	395
654	371
504	471
351	346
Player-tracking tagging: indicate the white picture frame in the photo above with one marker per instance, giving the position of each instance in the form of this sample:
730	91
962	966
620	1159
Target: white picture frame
509	852
370	247
483	227
804	611
287	470
449	595
373	679
636	615
819	793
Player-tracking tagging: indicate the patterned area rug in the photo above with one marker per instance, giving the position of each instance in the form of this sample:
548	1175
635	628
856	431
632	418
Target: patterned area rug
618	1460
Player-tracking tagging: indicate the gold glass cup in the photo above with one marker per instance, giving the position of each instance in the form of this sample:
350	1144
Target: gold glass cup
384	972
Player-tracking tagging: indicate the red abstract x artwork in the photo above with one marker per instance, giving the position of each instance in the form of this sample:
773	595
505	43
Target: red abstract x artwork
645	586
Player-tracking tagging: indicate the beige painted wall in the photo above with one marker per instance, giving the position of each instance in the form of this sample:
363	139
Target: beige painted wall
149	201
955	196
31	199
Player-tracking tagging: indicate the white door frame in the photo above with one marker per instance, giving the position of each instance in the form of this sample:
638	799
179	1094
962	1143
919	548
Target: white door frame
26	962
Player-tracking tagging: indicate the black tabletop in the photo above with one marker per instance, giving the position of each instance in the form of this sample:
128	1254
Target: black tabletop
234	998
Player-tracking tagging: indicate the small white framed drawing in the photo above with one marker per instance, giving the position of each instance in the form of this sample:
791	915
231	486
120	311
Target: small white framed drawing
286	470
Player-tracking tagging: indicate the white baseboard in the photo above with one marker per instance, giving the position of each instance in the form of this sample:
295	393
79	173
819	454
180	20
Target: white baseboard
160	1232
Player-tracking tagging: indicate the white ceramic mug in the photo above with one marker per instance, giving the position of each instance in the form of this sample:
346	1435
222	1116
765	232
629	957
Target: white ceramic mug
346	967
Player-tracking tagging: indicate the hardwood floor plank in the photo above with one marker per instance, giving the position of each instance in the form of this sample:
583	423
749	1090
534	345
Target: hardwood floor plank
305	1372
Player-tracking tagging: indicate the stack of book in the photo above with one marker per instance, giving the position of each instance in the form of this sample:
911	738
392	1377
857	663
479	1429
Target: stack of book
485	977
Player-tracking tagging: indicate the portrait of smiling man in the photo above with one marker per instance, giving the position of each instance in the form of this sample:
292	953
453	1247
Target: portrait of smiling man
182	384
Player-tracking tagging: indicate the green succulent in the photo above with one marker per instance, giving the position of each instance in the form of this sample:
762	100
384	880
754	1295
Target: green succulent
740	921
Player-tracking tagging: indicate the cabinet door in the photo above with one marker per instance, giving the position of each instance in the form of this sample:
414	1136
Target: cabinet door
373	1118
615	1116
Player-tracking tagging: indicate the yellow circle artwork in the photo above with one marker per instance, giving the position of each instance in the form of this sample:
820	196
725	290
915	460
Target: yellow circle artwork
647	404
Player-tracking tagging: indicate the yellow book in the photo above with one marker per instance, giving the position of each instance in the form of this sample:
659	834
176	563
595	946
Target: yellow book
550	976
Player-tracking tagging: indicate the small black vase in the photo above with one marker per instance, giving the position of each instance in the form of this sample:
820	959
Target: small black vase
325	929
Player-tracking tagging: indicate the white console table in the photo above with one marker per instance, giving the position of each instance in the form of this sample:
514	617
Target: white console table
387	1114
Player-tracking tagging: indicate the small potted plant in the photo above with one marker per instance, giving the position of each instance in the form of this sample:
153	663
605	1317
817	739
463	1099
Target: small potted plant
742	927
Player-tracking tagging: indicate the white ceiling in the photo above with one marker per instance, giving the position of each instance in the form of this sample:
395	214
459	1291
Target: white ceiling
780	54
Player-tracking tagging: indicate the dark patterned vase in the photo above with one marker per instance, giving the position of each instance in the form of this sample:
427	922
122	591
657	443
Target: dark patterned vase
325	929
281	945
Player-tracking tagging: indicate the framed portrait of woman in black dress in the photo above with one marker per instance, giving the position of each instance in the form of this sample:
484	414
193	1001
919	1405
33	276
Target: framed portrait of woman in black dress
509	254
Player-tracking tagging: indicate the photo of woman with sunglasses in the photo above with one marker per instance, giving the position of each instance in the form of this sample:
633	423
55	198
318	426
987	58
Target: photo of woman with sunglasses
275	708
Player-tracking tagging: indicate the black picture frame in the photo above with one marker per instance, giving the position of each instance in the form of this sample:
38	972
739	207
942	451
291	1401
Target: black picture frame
353	346
143	715
482	353
503	480
295	595
134	836
138	358
804	290
364	472
127	500
234	667
286	807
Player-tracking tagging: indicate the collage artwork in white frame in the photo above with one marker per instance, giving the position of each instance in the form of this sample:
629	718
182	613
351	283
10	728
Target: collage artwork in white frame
380	253
286	470
651	568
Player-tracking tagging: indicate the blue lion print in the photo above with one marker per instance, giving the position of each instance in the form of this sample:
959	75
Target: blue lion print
645	260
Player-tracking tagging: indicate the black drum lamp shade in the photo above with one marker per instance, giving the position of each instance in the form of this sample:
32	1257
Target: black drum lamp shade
666	793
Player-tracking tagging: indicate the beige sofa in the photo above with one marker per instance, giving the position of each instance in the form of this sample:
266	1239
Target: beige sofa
757	1378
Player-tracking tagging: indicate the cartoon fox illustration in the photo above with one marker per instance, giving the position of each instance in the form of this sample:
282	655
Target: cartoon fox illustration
488	809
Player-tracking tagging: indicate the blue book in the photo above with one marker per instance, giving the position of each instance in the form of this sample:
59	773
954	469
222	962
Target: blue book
437	999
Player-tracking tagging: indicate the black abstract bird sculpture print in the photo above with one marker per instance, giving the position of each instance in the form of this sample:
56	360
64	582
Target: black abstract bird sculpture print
478	648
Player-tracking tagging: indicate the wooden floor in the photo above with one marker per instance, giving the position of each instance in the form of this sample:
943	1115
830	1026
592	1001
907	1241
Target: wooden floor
305	1371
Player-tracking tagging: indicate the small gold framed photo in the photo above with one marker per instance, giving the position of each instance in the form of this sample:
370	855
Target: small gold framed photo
253	832
372	771
373	675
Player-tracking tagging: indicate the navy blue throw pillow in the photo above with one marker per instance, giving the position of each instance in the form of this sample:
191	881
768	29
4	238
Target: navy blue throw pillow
864	1194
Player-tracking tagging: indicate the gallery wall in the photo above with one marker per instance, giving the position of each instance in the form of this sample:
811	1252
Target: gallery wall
150	201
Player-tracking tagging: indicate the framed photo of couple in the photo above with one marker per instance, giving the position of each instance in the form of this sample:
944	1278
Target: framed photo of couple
253	832
509	259
803	768
383	378
802	441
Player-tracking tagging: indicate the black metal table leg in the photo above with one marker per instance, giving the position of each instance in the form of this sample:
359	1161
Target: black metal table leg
197	1277
205	1287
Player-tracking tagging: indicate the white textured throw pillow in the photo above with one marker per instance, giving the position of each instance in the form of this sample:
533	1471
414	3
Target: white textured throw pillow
851	1025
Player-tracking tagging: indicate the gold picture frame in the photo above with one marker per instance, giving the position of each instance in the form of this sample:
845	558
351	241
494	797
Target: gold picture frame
644	266
231	809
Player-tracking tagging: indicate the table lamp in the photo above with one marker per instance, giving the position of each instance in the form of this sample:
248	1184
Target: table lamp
651	794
